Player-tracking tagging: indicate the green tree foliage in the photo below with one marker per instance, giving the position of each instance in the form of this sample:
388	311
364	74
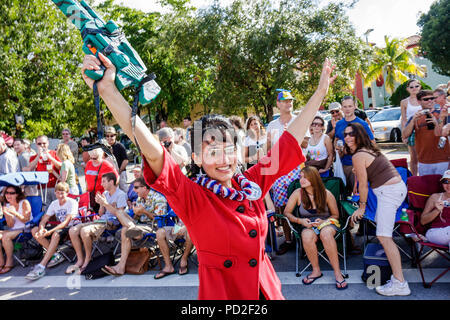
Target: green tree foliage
435	41
39	70
401	93
394	61
251	48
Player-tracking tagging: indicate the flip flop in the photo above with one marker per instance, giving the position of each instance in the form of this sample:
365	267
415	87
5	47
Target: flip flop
339	285
183	270
111	271
311	278
72	269
6	269
163	274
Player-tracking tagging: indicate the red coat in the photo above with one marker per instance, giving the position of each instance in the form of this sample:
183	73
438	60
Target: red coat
229	235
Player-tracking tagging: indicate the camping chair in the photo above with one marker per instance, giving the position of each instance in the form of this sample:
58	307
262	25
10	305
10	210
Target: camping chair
336	187
369	224
20	179
420	188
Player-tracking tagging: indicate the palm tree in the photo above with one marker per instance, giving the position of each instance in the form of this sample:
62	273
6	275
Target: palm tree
394	61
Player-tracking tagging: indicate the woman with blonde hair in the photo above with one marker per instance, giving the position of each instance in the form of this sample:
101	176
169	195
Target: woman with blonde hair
67	173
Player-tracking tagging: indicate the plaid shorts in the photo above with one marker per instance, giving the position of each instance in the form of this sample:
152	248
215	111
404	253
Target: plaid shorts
412	139
281	185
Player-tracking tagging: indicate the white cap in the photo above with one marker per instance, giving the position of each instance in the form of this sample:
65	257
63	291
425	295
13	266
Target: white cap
334	106
446	175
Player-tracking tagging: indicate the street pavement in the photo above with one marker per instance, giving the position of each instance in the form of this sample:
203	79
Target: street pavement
55	285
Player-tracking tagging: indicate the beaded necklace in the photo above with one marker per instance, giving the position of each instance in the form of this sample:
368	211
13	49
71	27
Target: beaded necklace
250	190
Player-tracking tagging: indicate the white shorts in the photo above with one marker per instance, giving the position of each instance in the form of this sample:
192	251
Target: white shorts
389	199
439	236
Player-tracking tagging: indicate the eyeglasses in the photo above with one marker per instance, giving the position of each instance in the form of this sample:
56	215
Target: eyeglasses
351	134
428	99
334	111
8	192
218	153
414	87
316	124
137	187
41	143
110	136
445	181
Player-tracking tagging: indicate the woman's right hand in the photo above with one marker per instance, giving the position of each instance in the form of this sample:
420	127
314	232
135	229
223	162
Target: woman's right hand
439	205
306	223
91	62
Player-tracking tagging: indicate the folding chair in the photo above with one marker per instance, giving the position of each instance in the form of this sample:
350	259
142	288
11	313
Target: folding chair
337	188
420	188
371	208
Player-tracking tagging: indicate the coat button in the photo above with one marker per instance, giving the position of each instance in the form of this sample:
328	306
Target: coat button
227	263
253	263
253	233
240	209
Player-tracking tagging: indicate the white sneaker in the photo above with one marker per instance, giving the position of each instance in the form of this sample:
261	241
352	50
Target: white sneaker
37	273
394	287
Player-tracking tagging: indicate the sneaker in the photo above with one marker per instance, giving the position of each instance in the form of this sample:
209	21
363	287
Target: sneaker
394	287
56	259
285	247
37	273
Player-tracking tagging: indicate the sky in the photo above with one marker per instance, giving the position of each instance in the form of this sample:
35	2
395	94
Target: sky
395	18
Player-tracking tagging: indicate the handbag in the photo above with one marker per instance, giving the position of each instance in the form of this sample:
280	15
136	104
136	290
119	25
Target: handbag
338	170
94	268
138	261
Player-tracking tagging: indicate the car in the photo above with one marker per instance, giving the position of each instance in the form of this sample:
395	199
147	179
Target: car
371	112
386	125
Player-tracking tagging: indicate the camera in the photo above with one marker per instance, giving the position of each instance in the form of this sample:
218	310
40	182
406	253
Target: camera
167	144
446	203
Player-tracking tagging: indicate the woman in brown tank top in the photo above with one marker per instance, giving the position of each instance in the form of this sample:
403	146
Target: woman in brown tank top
370	165
317	206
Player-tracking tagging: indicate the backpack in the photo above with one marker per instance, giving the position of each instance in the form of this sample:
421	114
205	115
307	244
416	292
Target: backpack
31	250
94	268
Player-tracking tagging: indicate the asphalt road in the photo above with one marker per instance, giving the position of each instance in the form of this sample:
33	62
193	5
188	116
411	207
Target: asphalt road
58	286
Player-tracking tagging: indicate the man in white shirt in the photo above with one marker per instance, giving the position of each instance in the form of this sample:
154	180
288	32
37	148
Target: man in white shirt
285	103
65	210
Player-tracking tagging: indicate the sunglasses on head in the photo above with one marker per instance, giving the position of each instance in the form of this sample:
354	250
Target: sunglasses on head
351	134
428	99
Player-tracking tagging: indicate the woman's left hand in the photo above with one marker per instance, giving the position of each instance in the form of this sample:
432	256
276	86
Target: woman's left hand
358	215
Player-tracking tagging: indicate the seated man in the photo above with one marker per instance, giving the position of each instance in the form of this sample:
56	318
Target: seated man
172	233
148	205
65	210
91	231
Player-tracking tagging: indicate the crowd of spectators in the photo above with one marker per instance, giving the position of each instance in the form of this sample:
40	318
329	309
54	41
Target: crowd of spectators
133	205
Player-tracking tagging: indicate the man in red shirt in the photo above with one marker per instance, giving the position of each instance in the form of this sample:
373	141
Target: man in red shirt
95	169
45	160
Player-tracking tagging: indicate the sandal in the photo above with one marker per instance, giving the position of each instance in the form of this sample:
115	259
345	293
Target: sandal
311	279
340	283
111	271
6	269
183	270
162	274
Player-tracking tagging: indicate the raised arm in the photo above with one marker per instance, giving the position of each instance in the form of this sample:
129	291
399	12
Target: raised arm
301	123
121	111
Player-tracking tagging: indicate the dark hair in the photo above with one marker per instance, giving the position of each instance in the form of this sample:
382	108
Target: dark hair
142	181
110	176
424	93
19	139
208	126
348	98
20	195
187	118
319	191
362	139
411	81
320	118
249	121
237	121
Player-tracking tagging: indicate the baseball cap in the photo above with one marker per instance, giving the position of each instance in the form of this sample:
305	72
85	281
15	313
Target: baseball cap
284	95
446	175
334	106
110	130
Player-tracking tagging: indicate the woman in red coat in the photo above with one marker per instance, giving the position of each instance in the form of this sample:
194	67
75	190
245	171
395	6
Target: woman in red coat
223	211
